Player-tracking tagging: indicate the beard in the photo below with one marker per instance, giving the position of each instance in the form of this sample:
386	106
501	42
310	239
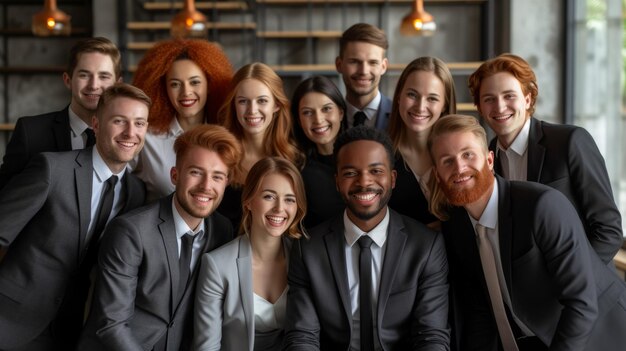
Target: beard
483	180
367	215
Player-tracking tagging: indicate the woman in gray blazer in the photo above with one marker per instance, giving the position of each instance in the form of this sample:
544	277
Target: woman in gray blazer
242	287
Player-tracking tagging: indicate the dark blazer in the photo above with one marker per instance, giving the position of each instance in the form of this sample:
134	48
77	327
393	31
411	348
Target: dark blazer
137	301
407	197
384	110
566	158
45	217
412	306
32	135
558	287
323	199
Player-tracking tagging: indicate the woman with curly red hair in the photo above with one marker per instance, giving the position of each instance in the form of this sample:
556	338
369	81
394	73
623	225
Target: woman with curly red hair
256	111
187	80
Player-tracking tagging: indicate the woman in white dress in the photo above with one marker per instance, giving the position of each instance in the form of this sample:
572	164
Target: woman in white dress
242	287
186	80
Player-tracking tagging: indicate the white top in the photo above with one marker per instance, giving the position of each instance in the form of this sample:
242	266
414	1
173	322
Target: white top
371	111
352	250
155	161
270	316
77	130
514	160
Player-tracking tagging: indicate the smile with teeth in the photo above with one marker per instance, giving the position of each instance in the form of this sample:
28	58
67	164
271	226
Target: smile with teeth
321	130
503	117
253	120
275	220
418	116
126	144
187	102
202	198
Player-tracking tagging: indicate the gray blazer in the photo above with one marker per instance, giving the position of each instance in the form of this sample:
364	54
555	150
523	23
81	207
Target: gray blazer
224	313
45	214
384	110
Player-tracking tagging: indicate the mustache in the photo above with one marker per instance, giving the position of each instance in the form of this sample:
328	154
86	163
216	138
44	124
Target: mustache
365	190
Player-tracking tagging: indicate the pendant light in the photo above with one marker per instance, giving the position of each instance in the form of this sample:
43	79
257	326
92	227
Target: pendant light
418	22
189	22
51	21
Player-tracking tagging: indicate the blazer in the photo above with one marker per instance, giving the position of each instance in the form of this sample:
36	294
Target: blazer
32	135
323	200
137	300
407	197
412	310
566	158
558	287
224	311
384	110
45	216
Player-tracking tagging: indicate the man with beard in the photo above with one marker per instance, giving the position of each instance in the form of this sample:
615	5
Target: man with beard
564	157
361	63
522	274
53	215
147	265
369	279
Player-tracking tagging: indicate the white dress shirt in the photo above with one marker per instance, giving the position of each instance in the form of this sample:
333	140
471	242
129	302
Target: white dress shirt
370	110
77	130
352	250
270	316
514	160
182	228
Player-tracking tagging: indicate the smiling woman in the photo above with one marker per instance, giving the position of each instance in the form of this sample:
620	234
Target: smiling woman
187	80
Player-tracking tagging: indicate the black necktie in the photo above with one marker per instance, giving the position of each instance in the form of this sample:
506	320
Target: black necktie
186	247
359	119
106	204
365	293
91	137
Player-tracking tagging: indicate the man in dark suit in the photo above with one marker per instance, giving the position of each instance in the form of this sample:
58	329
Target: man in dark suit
52	218
94	65
146	279
563	157
522	274
361	62
370	279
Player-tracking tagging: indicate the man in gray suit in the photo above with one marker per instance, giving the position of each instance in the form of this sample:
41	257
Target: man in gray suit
52	220
362	62
369	279
522	274
147	265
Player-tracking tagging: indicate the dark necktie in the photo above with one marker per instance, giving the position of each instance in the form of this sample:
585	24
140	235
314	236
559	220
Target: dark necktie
186	247
359	119
91	137
106	204
365	293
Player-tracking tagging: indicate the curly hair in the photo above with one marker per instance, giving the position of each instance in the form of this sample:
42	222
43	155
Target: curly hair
509	63
364	133
426	64
258	172
153	67
278	139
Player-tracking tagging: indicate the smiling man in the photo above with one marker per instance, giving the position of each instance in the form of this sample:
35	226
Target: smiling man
94	65
369	279
53	215
564	157
522	274
147	265
362	62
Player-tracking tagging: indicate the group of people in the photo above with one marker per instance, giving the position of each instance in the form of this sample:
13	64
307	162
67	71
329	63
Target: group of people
202	209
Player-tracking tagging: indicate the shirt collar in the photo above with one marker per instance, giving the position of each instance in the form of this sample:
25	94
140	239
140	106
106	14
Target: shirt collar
378	234
489	218
77	125
175	128
520	144
370	109
181	226
100	168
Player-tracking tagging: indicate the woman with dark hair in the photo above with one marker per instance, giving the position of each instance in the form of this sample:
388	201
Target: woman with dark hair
424	93
186	80
242	287
256	111
318	109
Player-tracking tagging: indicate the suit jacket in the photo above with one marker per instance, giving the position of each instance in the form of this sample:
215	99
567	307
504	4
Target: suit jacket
224	311
558	287
412	310
137	300
566	158
407	197
323	200
32	135
45	216
384	110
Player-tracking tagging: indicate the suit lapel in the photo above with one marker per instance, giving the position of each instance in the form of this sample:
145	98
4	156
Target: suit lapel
396	237
505	228
244	271
335	246
536	151
167	230
83	178
61	130
493	146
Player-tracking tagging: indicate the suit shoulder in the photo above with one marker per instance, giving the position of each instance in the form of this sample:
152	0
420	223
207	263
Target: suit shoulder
227	252
140	216
412	226
527	193
220	222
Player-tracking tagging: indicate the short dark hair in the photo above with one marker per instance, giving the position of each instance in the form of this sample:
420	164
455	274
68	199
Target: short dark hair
364	32
364	133
121	90
100	45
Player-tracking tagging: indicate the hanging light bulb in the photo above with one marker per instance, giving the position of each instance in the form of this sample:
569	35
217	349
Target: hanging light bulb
418	22
189	22
51	21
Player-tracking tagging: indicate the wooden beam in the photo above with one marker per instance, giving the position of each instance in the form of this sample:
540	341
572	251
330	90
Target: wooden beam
210	25
200	5
291	34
